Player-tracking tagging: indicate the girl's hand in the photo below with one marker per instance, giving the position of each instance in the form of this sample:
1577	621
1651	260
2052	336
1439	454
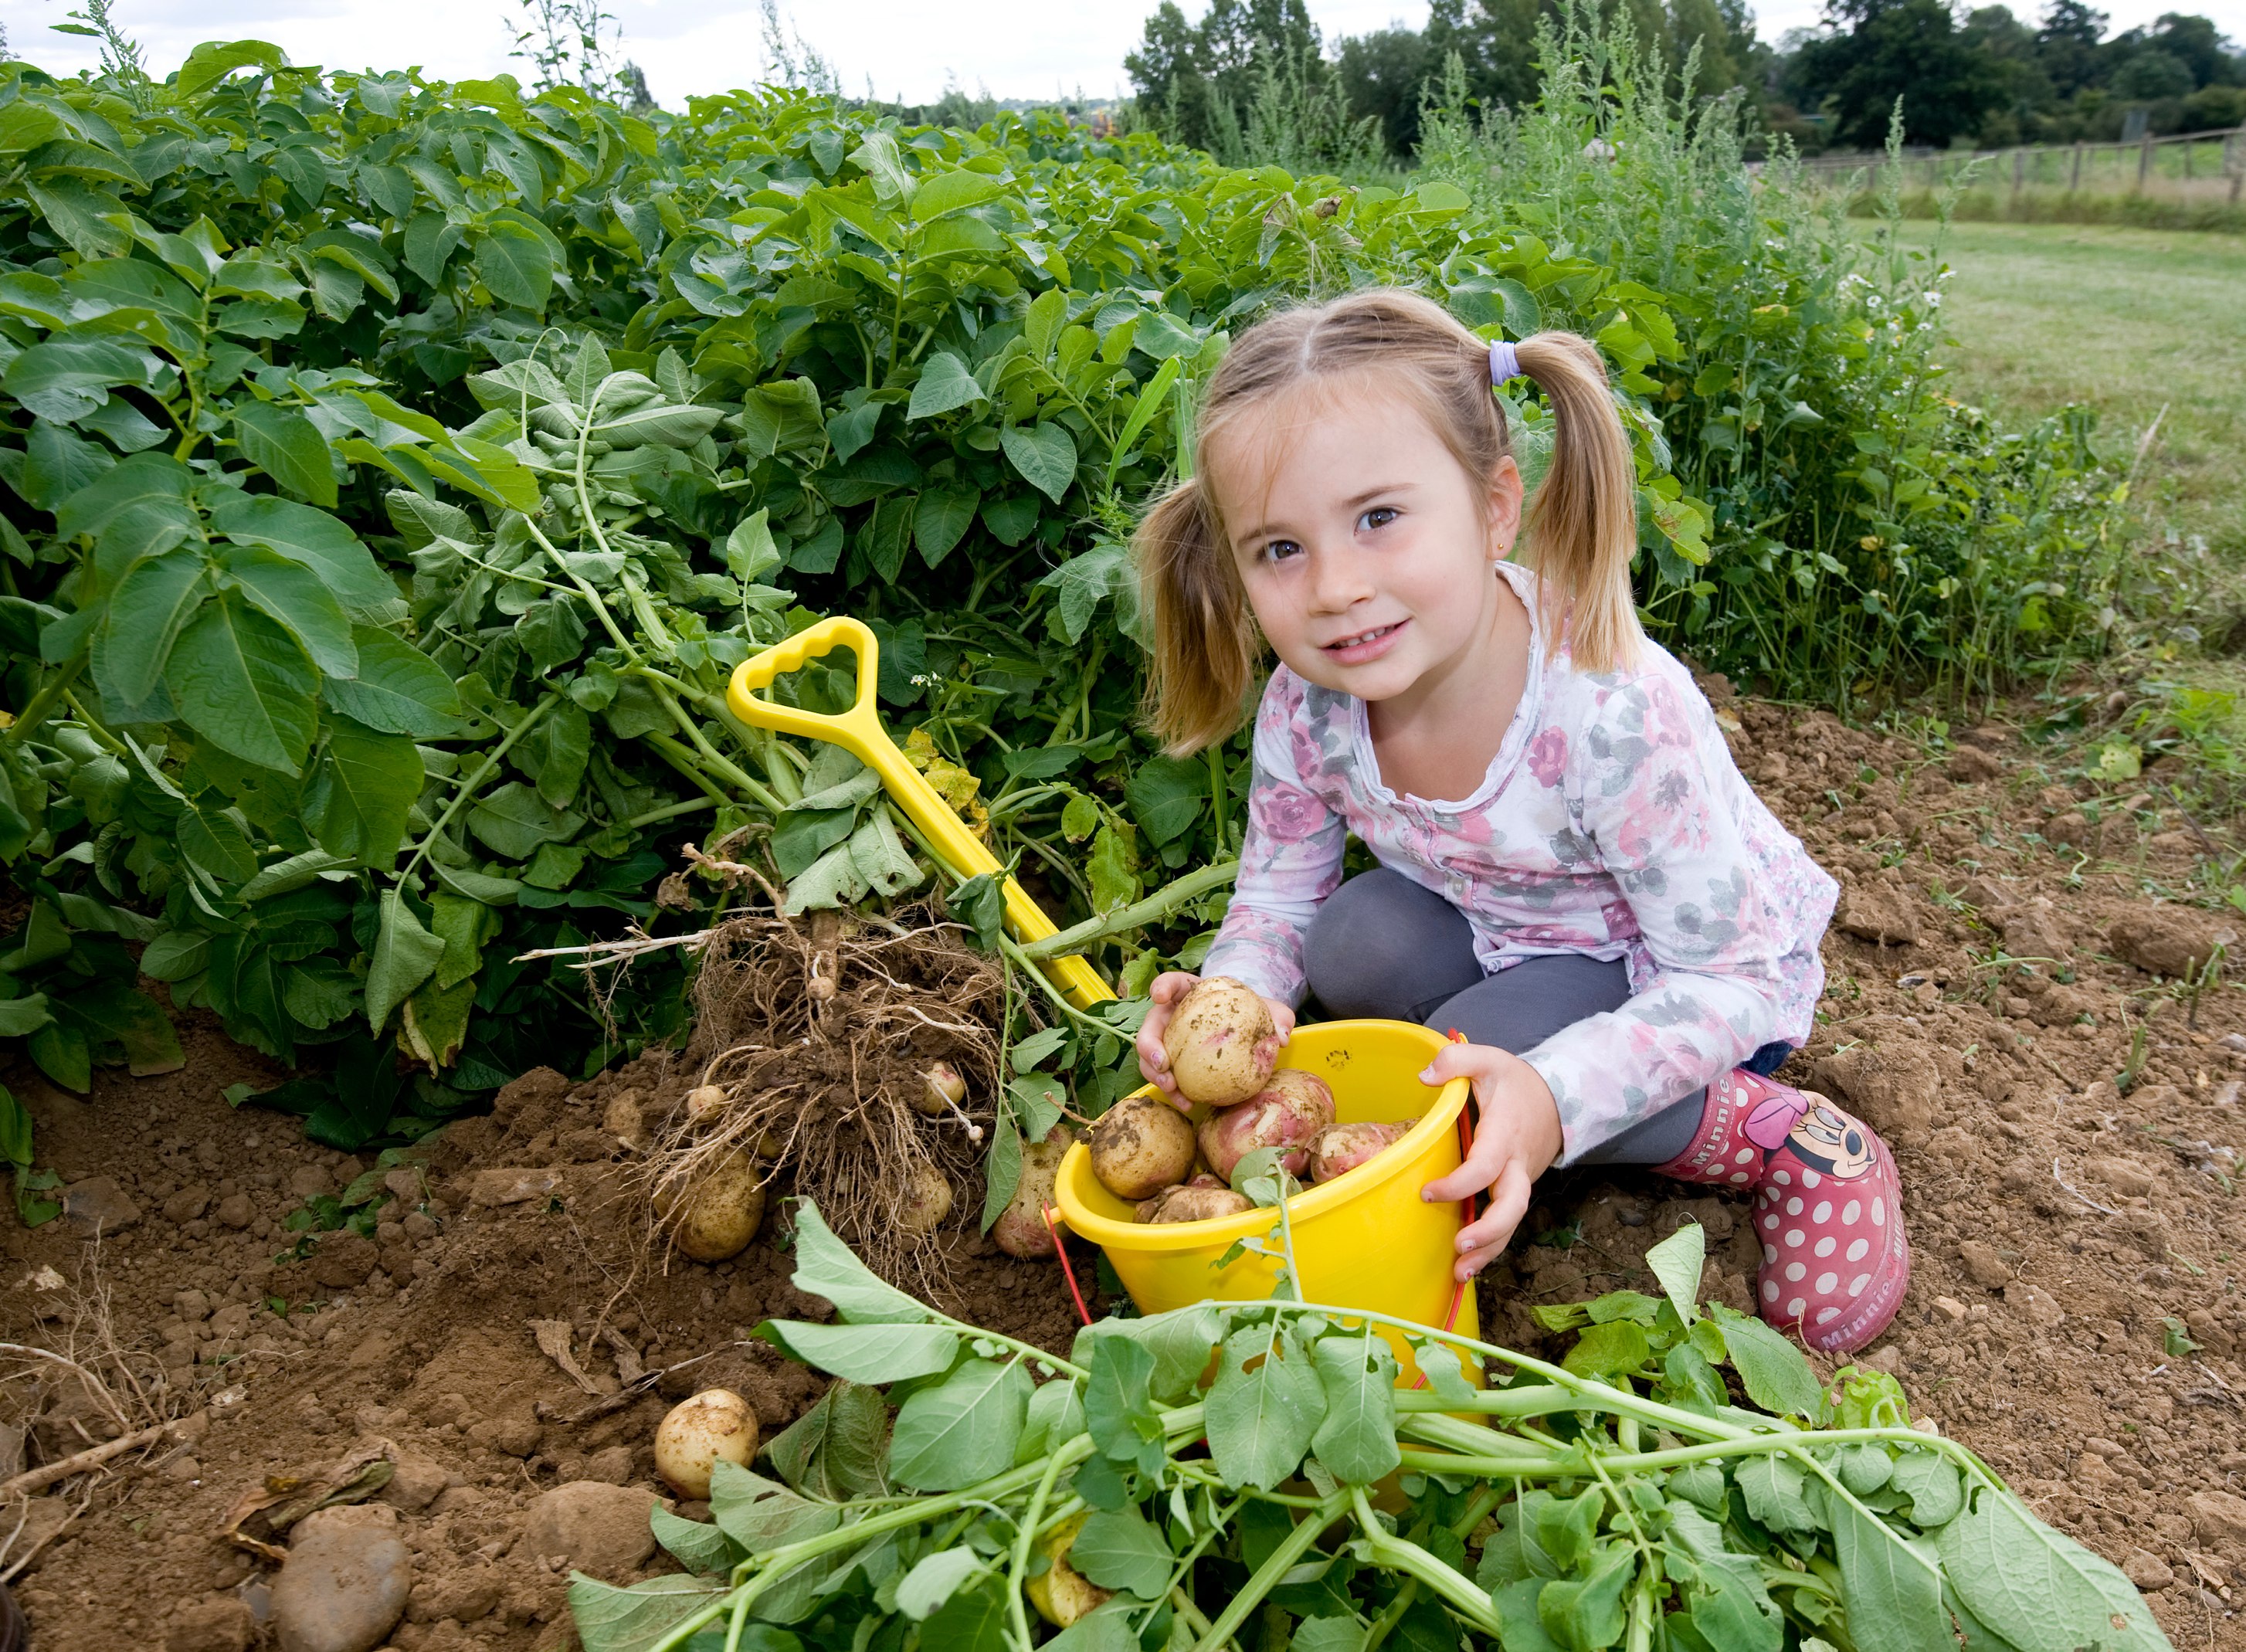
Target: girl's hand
1153	1060
1516	1138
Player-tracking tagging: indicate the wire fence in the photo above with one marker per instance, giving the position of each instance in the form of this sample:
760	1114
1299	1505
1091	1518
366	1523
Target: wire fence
2199	169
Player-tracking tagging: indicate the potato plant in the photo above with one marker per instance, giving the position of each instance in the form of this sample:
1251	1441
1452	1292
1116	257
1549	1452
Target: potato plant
1249	1474
394	471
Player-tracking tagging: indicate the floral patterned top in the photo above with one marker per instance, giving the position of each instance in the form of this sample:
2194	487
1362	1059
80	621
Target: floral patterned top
1612	823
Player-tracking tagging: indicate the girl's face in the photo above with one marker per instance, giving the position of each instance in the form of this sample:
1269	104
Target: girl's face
1365	548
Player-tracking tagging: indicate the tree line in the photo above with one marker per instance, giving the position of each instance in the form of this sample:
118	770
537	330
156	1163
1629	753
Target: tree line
1251	76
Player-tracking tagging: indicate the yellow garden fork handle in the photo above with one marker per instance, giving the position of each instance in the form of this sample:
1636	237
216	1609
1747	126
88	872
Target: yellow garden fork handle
858	731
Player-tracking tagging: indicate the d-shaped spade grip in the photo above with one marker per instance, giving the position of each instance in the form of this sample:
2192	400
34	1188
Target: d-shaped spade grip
858	731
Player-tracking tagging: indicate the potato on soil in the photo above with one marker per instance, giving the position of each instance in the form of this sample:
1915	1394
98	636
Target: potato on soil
716	1214
1062	1594
1221	1043
1020	1229
1287	1112
927	1202
1202	1200
717	1423
1341	1148
1141	1145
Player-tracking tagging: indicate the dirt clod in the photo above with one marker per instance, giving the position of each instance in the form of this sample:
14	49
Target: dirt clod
2169	940
597	1528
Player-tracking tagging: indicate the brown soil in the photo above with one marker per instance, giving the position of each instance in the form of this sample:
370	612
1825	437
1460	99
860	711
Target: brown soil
2067	1236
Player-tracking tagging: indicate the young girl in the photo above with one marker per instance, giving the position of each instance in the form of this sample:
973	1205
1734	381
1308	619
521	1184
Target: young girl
1573	874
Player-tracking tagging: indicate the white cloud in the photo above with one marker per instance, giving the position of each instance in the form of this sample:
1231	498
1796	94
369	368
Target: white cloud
1015	48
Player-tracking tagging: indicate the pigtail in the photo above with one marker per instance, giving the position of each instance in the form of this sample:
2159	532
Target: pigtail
1205	648
1582	521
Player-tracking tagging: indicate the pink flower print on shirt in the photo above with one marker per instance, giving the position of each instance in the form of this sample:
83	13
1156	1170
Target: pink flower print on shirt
1548	756
1291	817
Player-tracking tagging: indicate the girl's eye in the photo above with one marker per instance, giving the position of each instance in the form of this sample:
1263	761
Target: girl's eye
1280	550
1378	516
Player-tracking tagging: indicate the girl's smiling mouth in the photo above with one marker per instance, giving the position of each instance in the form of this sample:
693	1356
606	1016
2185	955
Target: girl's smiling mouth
1360	646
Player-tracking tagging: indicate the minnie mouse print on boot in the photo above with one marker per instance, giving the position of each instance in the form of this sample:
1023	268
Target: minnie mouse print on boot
1828	1206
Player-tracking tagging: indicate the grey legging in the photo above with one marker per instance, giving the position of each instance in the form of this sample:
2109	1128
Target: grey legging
1385	946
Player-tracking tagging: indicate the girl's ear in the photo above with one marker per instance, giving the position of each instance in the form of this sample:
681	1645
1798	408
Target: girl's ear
1503	505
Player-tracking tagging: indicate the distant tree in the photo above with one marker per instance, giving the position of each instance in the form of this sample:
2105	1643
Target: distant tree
2196	43
1200	81
2149	74
2012	49
2067	45
1877	51
1382	74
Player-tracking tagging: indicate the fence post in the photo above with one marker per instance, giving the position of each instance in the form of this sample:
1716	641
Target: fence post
2020	169
2074	184
2233	161
2144	160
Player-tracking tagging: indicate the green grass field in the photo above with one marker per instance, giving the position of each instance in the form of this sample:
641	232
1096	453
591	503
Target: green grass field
2140	324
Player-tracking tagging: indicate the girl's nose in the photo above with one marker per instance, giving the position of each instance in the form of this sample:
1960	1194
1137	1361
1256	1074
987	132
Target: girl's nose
1337	581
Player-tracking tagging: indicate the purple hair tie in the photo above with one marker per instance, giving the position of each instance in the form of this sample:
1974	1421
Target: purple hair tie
1504	362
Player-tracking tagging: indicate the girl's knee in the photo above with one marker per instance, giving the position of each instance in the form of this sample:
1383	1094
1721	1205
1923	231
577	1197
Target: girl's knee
1381	945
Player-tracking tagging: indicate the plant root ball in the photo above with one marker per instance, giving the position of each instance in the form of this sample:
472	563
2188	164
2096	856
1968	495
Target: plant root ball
1290	1111
1020	1229
927	1202
718	1213
1204	1199
1061	1594
1141	1145
717	1423
1221	1043
1341	1148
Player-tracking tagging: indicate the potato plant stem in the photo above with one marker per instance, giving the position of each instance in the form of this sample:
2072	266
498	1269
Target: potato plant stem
1157	905
1573	1463
42	702
490	766
1017	1564
1464	1596
1266	1577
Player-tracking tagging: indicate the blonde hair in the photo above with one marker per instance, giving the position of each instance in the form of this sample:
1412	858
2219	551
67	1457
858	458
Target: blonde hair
1580	526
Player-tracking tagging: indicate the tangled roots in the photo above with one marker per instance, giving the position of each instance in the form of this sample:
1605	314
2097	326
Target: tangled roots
812	1046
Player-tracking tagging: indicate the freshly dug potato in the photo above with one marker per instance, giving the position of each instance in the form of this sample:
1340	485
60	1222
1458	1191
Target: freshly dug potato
1289	1112
1221	1043
942	1089
1203	1199
717	1423
1063	1595
1341	1148
1020	1229
718	1213
1141	1145
705	1101
927	1203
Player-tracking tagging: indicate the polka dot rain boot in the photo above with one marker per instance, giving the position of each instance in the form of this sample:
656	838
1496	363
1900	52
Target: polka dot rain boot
1828	1206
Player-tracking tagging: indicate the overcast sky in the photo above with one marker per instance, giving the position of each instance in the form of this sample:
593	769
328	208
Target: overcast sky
1015	48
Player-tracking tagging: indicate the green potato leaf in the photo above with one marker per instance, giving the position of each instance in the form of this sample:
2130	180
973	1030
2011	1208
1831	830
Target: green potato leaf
287	446
963	1430
1357	1438
1260	1422
243	683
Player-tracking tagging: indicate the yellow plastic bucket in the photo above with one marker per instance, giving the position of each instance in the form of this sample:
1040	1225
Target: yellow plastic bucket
1364	1240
